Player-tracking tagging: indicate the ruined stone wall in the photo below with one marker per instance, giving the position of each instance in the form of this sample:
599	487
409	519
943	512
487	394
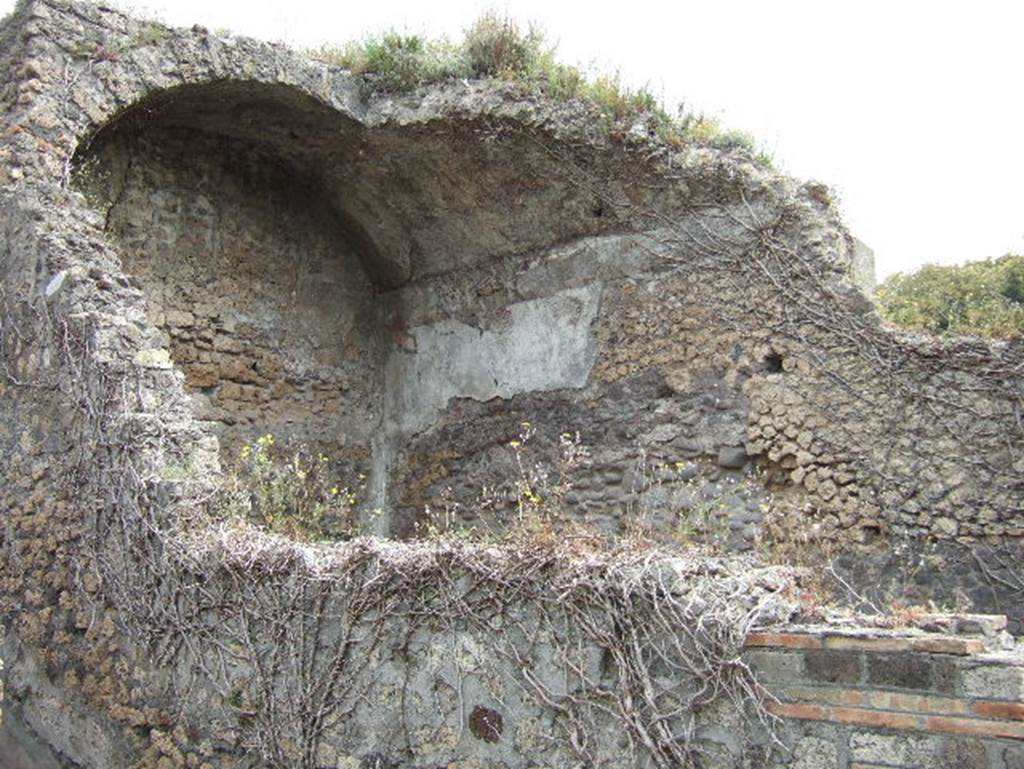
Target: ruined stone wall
204	238
265	307
883	700
734	376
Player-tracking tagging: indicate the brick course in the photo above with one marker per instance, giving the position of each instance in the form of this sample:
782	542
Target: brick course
908	701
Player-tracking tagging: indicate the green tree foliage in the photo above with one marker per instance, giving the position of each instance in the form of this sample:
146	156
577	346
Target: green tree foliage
984	298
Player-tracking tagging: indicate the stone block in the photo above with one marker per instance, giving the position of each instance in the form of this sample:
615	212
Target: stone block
905	671
834	667
980	624
998	682
962	753
815	753
733	457
946	673
1012	758
179	319
894	749
775	667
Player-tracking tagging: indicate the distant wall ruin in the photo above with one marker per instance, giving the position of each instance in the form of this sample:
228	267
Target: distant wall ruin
205	239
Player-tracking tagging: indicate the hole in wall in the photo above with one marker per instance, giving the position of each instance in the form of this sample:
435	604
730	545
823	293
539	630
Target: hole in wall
773	363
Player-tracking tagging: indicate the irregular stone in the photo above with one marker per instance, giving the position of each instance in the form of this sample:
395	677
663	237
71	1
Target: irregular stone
815	753
732	457
434	289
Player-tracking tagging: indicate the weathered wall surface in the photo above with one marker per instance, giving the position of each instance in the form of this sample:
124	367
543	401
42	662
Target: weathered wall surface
205	239
265	307
881	700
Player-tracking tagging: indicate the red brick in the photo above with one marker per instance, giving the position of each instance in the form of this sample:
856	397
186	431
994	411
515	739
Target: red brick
931	645
851	697
918	703
881	700
945	645
879	718
976	727
787	640
856	643
902	721
1012	711
823	695
798	710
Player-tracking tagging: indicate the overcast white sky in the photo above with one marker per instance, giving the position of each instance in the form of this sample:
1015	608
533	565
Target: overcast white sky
912	111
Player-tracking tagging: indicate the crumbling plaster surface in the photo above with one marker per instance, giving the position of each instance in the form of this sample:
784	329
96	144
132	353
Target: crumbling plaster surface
696	317
50	728
542	344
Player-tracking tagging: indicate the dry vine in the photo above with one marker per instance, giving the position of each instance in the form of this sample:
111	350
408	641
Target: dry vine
287	636
294	631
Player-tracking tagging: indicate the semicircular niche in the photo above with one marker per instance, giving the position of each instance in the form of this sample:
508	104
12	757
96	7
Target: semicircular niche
212	196
343	285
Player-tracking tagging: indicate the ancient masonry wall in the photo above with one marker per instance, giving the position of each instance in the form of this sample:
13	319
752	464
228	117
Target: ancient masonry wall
868	701
206	238
838	698
246	272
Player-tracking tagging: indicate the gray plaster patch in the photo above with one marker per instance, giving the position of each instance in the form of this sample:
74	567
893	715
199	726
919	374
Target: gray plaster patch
544	344
21	750
640	255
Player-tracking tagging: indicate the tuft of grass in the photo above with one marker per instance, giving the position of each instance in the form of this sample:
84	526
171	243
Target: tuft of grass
395	62
496	46
615	100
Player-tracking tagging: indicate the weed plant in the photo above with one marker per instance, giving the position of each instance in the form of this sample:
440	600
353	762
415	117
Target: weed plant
495	46
290	493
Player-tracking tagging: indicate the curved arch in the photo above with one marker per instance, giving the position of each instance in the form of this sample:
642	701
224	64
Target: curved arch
262	286
273	119
272	230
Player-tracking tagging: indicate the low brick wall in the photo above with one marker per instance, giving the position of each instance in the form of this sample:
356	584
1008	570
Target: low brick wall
860	699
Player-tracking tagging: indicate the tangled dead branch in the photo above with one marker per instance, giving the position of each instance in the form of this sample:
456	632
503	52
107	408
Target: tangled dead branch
294	630
289	640
290	637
